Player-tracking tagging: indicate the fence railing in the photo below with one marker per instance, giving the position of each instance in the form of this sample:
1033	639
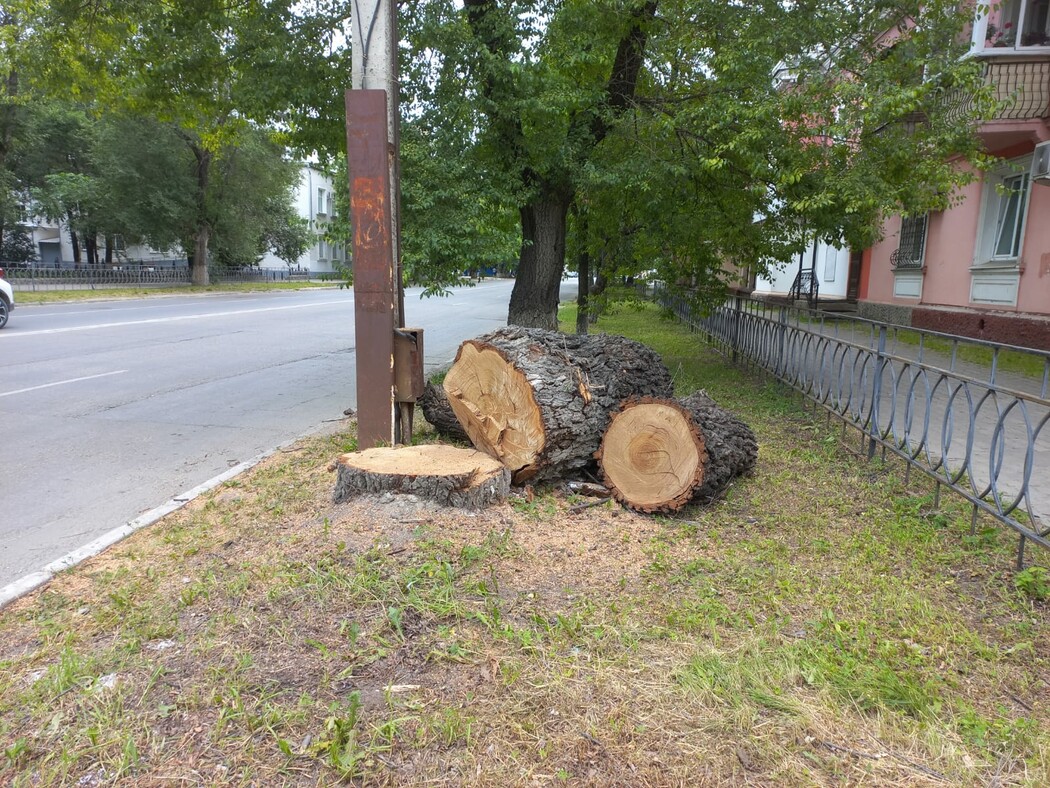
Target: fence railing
35	276
972	415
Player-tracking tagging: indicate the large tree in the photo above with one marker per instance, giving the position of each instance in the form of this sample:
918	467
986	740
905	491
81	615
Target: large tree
692	132
206	68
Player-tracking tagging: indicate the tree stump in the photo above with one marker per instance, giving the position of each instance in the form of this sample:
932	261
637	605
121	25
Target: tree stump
464	478
659	454
539	401
438	412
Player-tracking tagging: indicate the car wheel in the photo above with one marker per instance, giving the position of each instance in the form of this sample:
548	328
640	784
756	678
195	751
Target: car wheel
4	311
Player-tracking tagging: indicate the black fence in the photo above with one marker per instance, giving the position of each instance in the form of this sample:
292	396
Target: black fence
973	415
152	273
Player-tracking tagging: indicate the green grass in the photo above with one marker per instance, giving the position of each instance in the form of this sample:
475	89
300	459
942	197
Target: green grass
1030	365
820	624
24	295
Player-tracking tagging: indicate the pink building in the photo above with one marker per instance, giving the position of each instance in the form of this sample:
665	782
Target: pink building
982	268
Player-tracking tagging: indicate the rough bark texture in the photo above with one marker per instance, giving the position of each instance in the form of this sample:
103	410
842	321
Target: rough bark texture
731	446
539	401
439	413
659	454
448	475
534	299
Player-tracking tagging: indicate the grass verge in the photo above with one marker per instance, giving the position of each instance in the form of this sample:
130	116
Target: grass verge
820	624
24	296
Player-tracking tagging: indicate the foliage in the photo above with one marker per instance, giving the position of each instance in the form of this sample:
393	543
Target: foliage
1034	582
747	130
204	70
17	245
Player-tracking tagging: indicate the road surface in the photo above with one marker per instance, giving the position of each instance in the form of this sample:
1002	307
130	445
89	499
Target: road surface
111	408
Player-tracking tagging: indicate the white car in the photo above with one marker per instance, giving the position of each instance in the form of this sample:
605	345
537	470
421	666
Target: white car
7	299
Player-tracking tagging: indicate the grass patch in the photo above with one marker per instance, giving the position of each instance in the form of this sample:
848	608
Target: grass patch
1032	365
29	296
820	624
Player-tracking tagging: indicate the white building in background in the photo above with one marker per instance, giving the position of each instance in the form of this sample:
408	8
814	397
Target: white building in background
830	265
314	201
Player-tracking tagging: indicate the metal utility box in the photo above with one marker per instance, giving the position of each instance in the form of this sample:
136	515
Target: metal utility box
408	364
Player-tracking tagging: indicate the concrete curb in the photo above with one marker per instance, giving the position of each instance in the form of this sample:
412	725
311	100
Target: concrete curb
35	580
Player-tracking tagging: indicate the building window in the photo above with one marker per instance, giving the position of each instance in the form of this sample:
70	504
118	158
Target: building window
911	251
320	202
1020	23
1003	216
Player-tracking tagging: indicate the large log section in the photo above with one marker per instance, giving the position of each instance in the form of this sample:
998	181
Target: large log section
660	454
539	401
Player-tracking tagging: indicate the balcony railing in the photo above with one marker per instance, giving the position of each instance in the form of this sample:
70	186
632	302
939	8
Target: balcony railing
1023	83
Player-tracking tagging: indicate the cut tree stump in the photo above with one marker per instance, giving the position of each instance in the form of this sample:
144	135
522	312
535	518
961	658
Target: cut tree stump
659	454
539	401
439	413
464	478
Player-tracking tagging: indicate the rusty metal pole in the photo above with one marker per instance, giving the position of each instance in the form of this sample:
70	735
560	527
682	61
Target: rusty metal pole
372	157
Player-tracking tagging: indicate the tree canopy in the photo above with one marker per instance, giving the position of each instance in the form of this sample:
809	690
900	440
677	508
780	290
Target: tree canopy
677	135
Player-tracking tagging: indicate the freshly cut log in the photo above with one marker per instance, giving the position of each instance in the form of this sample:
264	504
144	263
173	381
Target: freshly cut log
539	401
464	478
439	413
659	454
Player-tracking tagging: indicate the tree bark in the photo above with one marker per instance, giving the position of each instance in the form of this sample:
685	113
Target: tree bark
659	454
539	401
463	478
438	411
534	300
202	230
74	242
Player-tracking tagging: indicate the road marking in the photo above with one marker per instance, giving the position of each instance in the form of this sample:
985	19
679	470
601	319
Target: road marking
173	319
61	383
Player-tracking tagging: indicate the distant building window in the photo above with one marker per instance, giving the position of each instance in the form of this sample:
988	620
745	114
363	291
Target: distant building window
320	202
911	251
1020	23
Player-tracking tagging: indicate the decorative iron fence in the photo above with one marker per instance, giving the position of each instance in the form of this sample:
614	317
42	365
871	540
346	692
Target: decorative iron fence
170	273
972	415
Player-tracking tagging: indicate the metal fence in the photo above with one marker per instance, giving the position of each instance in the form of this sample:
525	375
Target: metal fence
170	273
972	415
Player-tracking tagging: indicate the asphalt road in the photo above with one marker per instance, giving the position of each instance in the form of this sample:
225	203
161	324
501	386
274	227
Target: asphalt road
108	409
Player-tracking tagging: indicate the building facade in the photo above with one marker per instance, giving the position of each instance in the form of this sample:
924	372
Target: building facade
982	268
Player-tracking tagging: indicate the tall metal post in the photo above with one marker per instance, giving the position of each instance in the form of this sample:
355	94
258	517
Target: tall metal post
372	158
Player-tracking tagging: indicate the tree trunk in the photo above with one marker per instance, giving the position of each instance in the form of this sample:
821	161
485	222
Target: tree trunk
539	401
109	250
659	454
75	243
534	300
91	248
464	478
582	306
202	230
438	411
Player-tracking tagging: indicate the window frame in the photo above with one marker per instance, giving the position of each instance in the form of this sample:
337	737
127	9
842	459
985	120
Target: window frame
909	262
1000	42
989	230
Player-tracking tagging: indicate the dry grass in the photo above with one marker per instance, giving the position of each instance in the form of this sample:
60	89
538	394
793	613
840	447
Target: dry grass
821	624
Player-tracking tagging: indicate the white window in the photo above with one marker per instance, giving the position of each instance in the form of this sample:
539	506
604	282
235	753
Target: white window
1019	24
996	273
1004	209
320	202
